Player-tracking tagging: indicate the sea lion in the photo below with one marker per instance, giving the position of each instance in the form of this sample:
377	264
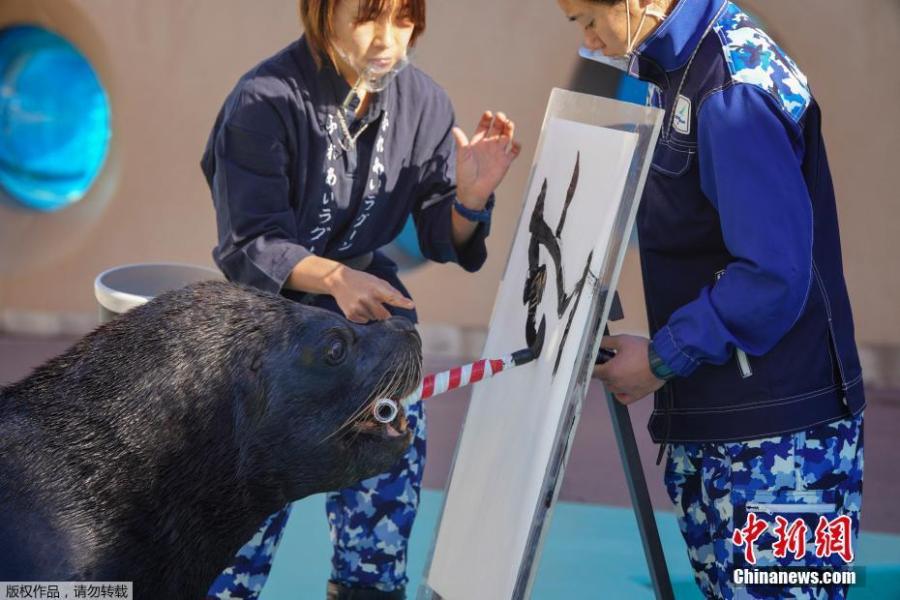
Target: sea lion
158	444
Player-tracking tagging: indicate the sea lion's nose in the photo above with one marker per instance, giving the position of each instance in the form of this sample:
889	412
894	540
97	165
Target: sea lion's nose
400	324
403	325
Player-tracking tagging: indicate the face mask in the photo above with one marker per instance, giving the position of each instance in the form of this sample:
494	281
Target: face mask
376	80
370	77
623	63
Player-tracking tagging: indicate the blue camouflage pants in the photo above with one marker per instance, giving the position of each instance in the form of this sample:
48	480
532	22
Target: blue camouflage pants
789	496
370	525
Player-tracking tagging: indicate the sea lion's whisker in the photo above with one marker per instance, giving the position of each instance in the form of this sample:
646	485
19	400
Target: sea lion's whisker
404	373
401	372
349	422
379	390
412	372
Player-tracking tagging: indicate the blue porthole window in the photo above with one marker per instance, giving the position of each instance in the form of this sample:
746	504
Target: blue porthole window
408	242
404	250
54	120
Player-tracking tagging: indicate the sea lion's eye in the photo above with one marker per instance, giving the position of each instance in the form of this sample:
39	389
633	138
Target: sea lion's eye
336	351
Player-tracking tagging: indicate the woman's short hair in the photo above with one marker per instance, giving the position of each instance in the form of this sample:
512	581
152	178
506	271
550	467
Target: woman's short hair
318	17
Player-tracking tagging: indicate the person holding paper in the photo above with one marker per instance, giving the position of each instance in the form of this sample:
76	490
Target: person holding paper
759	394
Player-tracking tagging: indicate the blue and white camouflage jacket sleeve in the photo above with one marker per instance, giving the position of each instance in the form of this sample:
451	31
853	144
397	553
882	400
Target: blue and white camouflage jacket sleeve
751	155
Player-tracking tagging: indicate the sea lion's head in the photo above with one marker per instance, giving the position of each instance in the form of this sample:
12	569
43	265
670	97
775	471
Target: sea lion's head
321	381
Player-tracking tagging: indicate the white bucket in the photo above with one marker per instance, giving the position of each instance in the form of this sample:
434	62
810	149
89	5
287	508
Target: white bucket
120	289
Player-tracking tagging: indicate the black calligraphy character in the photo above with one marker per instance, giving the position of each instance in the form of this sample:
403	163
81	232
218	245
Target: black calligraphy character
535	282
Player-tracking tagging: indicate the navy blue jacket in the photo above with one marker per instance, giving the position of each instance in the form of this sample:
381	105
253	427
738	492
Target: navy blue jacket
283	187
739	239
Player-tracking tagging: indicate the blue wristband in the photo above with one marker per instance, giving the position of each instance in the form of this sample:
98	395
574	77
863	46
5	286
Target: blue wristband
477	216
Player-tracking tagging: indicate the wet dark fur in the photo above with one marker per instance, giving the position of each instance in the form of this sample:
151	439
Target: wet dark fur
156	446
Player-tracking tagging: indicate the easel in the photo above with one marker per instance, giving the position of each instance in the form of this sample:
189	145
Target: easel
637	484
631	136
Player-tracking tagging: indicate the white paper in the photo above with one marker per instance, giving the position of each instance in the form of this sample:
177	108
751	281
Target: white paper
510	430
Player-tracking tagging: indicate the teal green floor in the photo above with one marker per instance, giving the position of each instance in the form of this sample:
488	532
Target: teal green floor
592	552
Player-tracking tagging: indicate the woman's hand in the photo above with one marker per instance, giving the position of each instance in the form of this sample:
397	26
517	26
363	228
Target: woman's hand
482	162
362	297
